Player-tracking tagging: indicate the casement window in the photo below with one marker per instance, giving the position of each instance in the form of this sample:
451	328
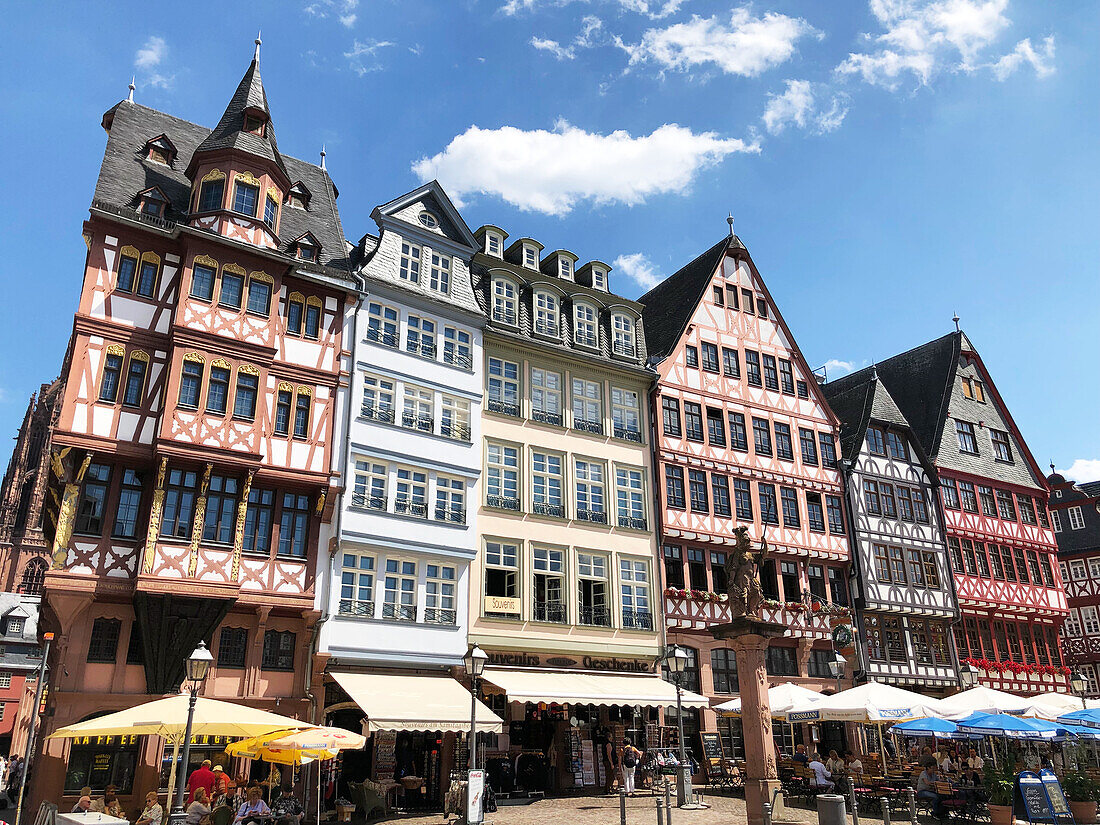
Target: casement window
969	563
587	406
1077	570
420	336
784	448
1056	521
190	383
950	494
231	294
456	348
920	507
294	526
258	520
723	669
591	489
504	302
674	566
752	368
897	565
546	313
592	596
761	306
988	502
1072	626
492	244
382	323
530	257
731	366
748	300
630	497
271	212
769	514
599	279
670	416
1027	509
147	277
897	447
743	499
584	324
623	336
838	586
781	661
1090	620
502	487
357	585
882	563
217	392
503	384
1002	447
788	574
789	498
1005	507
283	401
691	356
112	374
547	484
697	488
718	296
732	301
548	566
815	513
408	267
916	567
771	375
222	497
967	497
995	566
179	503
876	444
246	198
135	379
501	571
91	506
313	318
202	282
439	275
871	497
1076	518
905	503
411	493
835	514
1048	570
278	651
720	493
930	569
973	389
439	594
964	431
710	356
718	578
103	642
1006	562
626	414
716	427
1021	565
786	376
129	504
211	194
565	269
126	277
828	449
674	487
693	421
378	398
762	436
739	437
232	647
370	485
634	592
815	576
1041	512
302	406
809	446
1033	567
244	399
454	420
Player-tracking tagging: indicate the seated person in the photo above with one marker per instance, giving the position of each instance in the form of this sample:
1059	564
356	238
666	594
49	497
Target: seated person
109	804
83	805
834	763
855	764
926	789
800	754
823	778
199	809
287	808
153	813
253	809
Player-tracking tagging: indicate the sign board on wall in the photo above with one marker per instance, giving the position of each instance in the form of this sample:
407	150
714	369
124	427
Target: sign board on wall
502	604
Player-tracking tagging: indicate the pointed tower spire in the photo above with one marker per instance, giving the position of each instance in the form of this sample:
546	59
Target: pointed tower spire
323	157
130	96
256	55
955	318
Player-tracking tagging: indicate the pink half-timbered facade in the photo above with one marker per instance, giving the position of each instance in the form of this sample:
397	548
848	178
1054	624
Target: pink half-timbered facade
742	436
190	468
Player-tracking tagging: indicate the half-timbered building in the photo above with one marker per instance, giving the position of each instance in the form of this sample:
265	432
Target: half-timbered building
1075	519
191	455
902	589
743	436
994	504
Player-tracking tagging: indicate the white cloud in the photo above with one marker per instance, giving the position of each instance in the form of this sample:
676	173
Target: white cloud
1084	469
344	10
550	171
745	46
591	26
639	269
554	47
800	105
653	9
363	57
1041	61
148	59
835	368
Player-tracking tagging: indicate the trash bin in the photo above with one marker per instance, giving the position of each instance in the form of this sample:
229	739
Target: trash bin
831	810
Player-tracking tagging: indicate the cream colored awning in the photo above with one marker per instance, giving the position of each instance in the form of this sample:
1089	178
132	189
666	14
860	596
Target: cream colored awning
565	687
426	703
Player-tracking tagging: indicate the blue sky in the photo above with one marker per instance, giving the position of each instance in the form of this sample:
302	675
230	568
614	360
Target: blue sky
888	163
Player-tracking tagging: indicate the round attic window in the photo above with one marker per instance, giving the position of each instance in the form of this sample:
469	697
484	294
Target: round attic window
429	220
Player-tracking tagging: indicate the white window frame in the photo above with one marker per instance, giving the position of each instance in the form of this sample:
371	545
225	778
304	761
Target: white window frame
546	395
420	336
361	576
1077	569
547	311
440	593
623	337
1076	518
626	414
634	588
398	599
502	381
408	267
599	278
565	268
1056	521
547	482
590	490
630	494
457	347
586	325
384	322
530	256
493	244
378	397
454	418
1090	620
505	302
1072	626
594	567
502	477
5	682
410	492
587	401
503	554
418	408
549	562
439	275
450	499
371	481
1094	567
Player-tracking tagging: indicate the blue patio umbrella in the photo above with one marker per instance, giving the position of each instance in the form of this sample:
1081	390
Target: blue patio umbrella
1086	718
1012	727
930	726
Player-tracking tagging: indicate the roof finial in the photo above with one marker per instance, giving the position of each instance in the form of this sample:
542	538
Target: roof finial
729	220
1052	470
256	56
322	157
874	371
955	318
130	97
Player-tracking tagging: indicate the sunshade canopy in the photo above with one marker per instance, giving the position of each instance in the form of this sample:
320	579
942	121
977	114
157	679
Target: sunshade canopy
1053	704
409	702
1014	727
930	726
168	718
984	700
1086	718
579	688
297	747
870	702
781	699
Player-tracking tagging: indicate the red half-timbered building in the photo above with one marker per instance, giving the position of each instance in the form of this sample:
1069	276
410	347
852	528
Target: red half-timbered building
190	459
743	436
994	503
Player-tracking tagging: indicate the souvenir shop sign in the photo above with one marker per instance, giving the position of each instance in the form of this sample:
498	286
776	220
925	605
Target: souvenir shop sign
502	604
521	659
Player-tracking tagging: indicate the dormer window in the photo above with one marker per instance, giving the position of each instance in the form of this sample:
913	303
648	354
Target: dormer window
584	325
565	268
160	150
599	279
153	203
622	328
298	196
546	313
504	301
158	155
254	123
306	248
493	244
530	257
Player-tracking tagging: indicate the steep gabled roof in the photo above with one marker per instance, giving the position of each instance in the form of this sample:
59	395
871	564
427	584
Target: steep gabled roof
858	400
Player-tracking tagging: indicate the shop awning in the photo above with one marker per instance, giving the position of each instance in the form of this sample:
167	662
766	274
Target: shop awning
425	703
602	689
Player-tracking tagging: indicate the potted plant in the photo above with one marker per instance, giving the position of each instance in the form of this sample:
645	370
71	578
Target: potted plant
1082	792
1000	784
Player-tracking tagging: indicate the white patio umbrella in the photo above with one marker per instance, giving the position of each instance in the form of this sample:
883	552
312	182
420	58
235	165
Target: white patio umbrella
984	700
1052	704
781	698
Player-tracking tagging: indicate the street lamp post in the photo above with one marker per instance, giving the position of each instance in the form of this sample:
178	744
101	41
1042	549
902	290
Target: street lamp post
474	662
39	687
836	667
677	661
968	676
1078	684
198	664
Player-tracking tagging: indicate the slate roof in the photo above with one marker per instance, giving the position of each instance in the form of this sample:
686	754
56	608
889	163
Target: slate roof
126	171
670	304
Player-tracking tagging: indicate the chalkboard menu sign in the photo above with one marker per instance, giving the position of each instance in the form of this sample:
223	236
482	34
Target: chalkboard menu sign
713	754
1039	798
385	743
1059	806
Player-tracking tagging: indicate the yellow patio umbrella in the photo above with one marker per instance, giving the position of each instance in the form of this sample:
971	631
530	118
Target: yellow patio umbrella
248	749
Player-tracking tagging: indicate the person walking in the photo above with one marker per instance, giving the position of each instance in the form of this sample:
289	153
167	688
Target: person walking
201	777
630	758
